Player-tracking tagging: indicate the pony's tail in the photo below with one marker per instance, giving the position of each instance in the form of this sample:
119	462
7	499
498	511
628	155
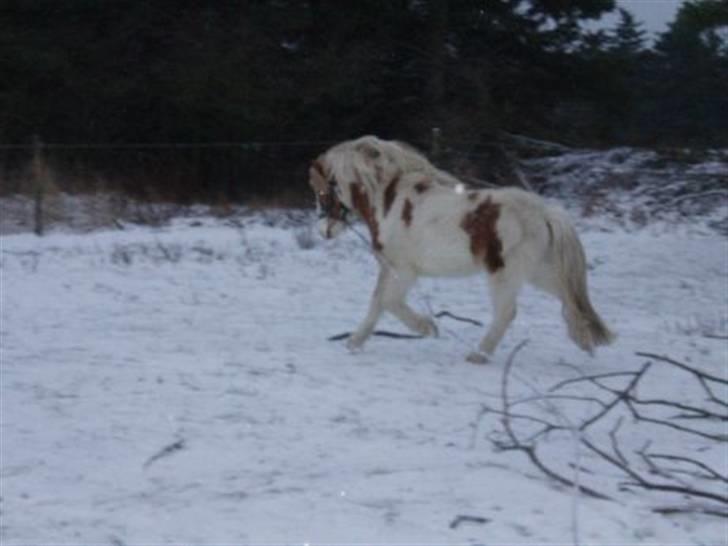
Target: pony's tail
585	326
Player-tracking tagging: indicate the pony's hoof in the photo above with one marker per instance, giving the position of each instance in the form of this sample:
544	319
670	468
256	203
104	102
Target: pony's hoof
477	358
428	328
354	343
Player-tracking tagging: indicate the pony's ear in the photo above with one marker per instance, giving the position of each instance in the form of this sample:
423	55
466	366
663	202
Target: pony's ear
316	177
368	150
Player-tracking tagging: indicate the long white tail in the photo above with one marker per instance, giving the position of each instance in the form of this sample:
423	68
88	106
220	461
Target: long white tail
585	326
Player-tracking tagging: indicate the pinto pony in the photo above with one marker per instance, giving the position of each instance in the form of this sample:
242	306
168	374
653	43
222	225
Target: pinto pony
423	222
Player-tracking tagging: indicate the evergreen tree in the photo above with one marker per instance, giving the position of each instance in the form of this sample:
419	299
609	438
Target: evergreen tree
629	36
691	76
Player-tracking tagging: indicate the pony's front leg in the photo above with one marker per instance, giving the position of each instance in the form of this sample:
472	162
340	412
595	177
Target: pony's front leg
424	326
389	295
394	298
376	308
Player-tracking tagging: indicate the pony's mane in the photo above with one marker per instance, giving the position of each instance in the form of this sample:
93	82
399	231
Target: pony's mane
364	158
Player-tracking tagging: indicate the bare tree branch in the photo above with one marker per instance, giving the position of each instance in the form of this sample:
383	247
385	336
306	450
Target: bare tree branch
694	371
682	475
530	449
644	483
710	474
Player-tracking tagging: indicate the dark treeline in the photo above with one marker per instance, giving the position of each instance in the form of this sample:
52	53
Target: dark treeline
125	71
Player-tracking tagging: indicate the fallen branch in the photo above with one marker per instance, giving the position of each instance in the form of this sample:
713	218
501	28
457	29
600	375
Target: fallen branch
644	483
675	473
381	333
708	472
529	449
395	335
459	520
165	452
456	317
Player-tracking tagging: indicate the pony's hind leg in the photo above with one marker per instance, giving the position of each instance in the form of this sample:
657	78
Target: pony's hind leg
504	289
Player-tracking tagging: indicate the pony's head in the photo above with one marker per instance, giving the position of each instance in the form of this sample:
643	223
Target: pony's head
350	175
332	212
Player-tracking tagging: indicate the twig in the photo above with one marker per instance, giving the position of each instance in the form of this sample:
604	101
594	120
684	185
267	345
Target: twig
166	452
639	481
710	473
544	397
468	519
670	510
395	335
456	317
590	378
530	450
703	378
699	413
666	479
619	397
685	367
629	403
382	333
615	443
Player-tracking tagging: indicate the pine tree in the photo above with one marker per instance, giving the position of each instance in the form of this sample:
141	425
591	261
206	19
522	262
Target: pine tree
629	36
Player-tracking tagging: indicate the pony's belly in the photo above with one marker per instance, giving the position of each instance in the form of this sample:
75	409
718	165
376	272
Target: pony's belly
452	268
433	249
451	260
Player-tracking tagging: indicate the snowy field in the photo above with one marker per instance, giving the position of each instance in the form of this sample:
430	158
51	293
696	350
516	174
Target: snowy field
175	385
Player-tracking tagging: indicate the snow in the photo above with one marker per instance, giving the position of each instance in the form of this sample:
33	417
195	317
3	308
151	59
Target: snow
211	336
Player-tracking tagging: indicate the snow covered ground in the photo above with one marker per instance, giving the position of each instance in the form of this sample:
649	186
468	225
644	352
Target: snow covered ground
175	385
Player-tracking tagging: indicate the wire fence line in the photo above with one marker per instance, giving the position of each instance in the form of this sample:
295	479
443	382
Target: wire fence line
435	143
244	145
224	169
218	173
176	168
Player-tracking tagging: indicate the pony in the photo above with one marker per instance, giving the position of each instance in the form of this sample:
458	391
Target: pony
423	221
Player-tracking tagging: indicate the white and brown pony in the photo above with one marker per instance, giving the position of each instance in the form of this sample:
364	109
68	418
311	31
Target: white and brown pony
423	222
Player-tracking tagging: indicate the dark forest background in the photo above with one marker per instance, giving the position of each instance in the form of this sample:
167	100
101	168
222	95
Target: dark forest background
111	83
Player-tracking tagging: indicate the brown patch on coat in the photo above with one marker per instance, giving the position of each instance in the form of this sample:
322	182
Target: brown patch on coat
360	203
472	195
480	225
407	212
422	186
390	194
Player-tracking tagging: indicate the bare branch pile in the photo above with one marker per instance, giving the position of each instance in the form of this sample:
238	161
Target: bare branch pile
627	438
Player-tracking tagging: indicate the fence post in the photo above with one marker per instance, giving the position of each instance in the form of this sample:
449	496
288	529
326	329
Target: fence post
435	143
39	173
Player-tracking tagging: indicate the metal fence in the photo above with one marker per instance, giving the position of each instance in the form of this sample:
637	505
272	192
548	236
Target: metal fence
179	171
